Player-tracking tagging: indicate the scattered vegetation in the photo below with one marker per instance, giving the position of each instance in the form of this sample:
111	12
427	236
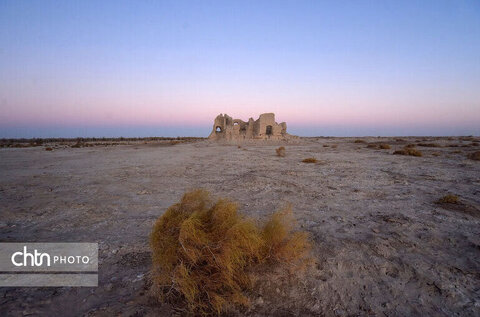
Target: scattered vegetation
280	151
408	151
411	145
48	149
86	142
334	146
79	144
326	145
204	251
429	144
448	199
467	138
310	160
359	141
382	146
281	243
474	156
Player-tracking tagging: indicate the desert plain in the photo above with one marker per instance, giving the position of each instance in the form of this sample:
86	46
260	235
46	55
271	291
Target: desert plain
383	244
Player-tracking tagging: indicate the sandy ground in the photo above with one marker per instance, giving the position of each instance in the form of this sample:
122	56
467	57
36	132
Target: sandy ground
383	247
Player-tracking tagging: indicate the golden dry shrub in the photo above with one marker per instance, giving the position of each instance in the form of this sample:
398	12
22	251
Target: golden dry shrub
280	151
429	144
408	151
309	160
359	141
372	146
281	242
448	199
203	251
384	146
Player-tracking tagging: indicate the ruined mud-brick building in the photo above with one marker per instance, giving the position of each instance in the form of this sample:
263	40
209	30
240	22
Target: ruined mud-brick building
264	128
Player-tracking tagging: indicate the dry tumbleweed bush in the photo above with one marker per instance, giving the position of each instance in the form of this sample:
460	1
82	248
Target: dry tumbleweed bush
408	151
448	199
309	160
280	151
203	251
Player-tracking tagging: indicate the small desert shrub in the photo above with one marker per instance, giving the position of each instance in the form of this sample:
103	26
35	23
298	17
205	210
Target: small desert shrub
457	152
475	143
48	149
448	199
408	151
203	252
474	156
429	144
281	243
280	151
372	146
310	160
334	146
411	145
385	146
359	141
326	145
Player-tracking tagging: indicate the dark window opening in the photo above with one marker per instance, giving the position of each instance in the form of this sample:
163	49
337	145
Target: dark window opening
269	130
218	129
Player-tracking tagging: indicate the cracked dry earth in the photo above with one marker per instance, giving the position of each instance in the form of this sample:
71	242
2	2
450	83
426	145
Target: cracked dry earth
382	246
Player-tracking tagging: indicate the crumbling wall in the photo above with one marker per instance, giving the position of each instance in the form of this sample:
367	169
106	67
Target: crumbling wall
264	128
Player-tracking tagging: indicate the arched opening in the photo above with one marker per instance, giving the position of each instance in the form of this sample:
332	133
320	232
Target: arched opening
269	130
218	129
235	123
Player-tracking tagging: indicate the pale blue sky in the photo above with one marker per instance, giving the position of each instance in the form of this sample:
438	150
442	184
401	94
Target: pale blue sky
142	68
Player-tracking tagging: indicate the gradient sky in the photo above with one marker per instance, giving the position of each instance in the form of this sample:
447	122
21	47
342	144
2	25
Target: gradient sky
167	68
